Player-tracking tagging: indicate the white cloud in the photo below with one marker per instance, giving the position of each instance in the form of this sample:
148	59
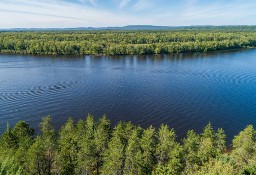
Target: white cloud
96	13
21	13
143	4
93	2
123	3
229	11
199	12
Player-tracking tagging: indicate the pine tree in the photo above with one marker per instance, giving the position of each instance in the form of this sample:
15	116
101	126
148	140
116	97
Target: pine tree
41	156
133	154
191	146
68	148
148	146
102	137
244	147
87	155
36	161
24	134
22	130
206	148
8	139
114	156
168	152
220	142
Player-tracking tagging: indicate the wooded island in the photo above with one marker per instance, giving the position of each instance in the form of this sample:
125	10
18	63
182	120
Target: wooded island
130	42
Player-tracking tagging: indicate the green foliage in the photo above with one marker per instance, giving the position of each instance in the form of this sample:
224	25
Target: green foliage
22	130
148	146
216	167
8	139
244	148
168	152
126	42
36	160
87	155
102	137
212	144
92	147
14	145
114	156
41	156
68	148
133	154
191	156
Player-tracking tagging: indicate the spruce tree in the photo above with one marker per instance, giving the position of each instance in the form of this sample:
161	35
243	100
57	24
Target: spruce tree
87	155
148	146
133	154
168	151
102	137
68	148
114	156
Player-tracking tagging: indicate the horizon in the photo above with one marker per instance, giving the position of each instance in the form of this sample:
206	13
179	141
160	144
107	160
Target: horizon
120	13
126	26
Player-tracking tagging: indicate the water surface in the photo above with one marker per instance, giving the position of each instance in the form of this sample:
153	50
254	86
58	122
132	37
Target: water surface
185	91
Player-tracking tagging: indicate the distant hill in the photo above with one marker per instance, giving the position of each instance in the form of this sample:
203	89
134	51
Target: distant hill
140	27
129	27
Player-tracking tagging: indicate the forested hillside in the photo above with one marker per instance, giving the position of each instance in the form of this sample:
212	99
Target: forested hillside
94	147
119	42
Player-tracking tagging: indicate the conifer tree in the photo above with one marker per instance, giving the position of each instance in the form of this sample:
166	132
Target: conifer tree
68	148
148	146
244	147
114	156
133	154
102	137
8	139
190	154
87	155
41	156
168	152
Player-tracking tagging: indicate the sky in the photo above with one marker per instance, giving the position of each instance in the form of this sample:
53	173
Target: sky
104	13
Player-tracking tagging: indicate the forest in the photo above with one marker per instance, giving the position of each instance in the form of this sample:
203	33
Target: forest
93	146
126	42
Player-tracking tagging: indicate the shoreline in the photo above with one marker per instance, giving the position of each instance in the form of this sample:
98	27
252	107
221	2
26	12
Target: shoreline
102	55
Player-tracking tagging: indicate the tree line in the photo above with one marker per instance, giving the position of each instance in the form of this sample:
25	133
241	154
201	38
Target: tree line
107	42
94	147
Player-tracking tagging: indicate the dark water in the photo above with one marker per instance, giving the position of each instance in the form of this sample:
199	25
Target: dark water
184	91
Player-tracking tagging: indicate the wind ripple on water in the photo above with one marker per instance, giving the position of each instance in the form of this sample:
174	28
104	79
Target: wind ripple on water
37	91
234	76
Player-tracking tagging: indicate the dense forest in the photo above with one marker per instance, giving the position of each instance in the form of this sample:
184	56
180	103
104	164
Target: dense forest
122	42
94	147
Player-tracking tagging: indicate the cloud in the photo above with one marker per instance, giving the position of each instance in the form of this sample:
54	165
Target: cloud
228	11
199	12
97	13
21	13
123	3
143	4
92	2
38	14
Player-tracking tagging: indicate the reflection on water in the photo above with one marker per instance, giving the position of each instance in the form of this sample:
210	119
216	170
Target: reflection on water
185	91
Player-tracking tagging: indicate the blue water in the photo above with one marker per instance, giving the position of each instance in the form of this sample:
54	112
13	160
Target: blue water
185	91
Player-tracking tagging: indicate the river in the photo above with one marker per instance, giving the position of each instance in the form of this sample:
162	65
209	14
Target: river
185	91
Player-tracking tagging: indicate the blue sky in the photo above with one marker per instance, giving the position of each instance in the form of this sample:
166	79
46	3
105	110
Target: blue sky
101	13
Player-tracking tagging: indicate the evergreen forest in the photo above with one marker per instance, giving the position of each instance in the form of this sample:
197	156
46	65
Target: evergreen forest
92	147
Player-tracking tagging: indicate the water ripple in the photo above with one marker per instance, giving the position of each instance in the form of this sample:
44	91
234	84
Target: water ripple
37	91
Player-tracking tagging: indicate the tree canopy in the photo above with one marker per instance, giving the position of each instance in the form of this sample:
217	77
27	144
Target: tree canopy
94	147
108	42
